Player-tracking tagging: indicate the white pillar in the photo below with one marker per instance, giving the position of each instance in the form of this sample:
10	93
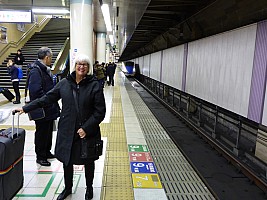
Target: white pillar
81	29
101	47
107	53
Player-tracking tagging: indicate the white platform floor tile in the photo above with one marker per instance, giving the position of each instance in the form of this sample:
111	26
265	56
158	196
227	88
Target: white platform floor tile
133	140
151	194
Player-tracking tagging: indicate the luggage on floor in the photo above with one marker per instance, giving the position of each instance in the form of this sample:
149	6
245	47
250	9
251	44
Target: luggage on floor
12	142
7	94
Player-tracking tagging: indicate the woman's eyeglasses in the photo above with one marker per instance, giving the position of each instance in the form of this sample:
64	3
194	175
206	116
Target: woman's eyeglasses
82	64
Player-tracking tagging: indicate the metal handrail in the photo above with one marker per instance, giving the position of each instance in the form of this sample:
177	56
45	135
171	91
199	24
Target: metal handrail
62	56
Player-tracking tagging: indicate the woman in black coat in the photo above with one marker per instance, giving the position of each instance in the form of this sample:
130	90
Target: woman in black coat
74	126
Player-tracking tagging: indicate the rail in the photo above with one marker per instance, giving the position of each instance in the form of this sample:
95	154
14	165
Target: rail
60	61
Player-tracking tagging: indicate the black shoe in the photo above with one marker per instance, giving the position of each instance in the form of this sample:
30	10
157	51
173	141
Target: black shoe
89	193
50	156
43	163
64	194
16	102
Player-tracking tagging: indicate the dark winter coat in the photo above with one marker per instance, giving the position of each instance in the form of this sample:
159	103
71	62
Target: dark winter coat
111	69
13	72
92	108
19	62
39	84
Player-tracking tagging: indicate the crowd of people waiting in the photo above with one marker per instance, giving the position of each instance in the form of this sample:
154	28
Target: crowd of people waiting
104	72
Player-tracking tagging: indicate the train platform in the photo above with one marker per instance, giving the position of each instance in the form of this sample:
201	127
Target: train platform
140	161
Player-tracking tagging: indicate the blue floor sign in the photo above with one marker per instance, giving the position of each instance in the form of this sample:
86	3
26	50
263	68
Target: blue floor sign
143	167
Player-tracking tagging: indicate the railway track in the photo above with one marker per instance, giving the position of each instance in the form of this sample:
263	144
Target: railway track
248	183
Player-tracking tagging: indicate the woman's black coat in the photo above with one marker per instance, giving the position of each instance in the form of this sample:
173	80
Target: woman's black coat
92	111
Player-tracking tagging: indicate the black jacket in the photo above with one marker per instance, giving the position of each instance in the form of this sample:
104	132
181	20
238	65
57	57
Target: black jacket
39	84
13	72
92	111
20	61
111	69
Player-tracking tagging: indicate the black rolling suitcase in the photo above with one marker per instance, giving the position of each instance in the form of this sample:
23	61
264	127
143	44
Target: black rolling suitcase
12	142
7	94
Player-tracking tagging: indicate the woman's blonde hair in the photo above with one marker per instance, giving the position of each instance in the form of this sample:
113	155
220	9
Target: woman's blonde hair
83	58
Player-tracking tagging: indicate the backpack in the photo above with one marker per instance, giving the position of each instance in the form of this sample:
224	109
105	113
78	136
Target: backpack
20	73
30	67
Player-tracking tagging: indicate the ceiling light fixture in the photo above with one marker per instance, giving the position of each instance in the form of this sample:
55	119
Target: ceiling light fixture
50	11
106	15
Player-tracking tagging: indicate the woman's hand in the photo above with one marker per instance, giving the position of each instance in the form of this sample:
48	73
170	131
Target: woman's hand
81	133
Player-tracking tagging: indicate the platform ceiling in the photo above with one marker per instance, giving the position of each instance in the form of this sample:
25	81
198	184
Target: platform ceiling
146	26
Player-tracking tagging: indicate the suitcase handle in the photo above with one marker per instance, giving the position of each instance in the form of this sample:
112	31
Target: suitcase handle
14	112
13	122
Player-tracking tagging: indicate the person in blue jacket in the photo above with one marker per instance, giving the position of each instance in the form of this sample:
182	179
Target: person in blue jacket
13	72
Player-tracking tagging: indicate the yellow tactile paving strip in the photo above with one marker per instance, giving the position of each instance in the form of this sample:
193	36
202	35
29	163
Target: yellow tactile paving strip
117	181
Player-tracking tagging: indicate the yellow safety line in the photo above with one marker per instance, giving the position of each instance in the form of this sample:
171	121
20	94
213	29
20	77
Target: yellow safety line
117	180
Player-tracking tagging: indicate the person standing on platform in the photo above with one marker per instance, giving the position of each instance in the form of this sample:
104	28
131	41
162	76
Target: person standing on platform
99	72
83	109
19	59
39	83
13	72
111	68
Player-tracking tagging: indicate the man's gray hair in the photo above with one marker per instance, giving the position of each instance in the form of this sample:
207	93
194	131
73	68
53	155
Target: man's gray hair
83	58
43	52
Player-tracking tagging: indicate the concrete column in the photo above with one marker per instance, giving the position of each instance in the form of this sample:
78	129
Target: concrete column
81	29
107	53
101	47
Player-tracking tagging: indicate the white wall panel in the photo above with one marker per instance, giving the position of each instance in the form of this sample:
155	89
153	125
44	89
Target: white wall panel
146	65
155	66
219	68
141	64
172	66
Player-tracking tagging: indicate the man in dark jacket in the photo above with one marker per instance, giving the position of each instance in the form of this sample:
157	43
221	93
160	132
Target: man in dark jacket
111	68
39	83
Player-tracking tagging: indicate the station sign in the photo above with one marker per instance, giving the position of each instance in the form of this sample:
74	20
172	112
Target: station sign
143	167
146	181
140	157
15	16
137	148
